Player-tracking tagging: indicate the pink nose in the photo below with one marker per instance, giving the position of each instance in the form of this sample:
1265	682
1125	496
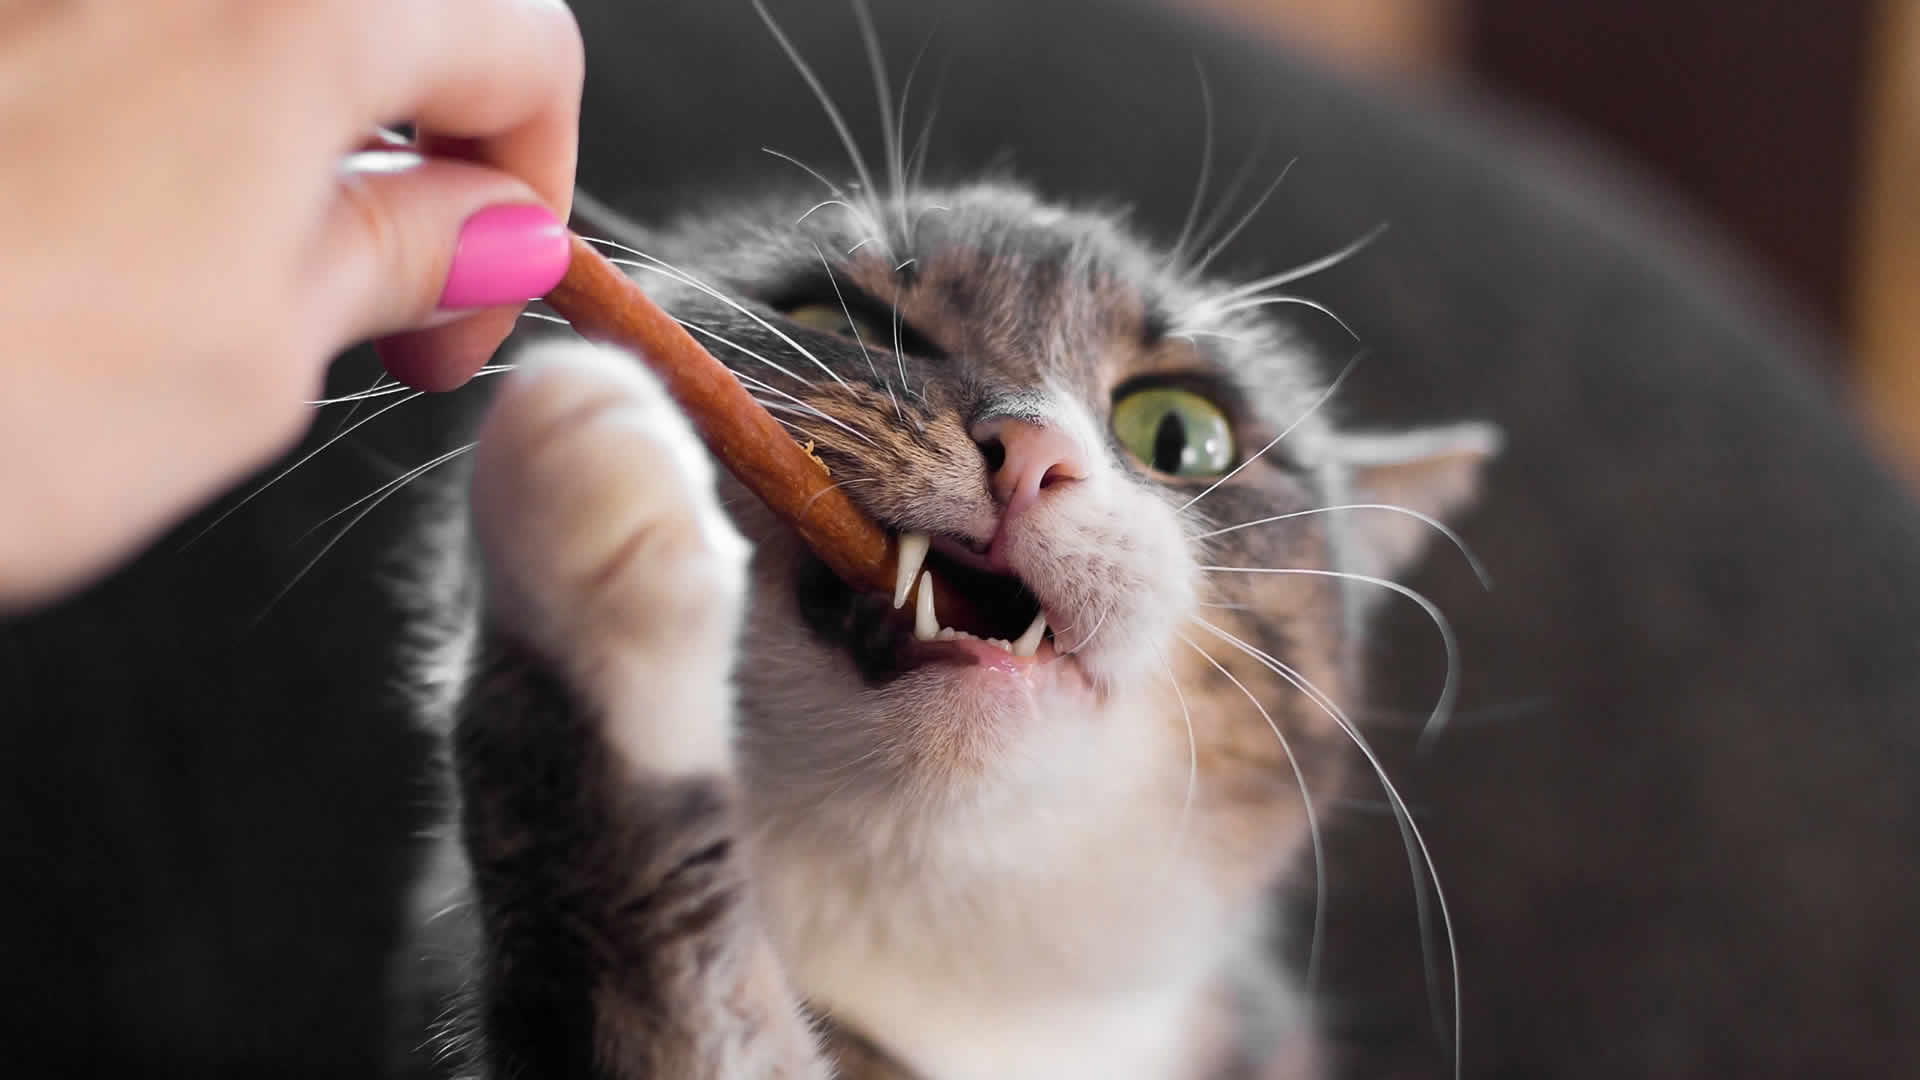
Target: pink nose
1026	459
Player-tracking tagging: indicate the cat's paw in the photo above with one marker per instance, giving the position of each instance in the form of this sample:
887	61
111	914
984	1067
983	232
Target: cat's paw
607	551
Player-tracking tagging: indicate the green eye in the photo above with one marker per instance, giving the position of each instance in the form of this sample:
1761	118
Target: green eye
831	320
1175	431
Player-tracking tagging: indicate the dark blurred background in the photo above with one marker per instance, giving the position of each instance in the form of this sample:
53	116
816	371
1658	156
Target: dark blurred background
1794	126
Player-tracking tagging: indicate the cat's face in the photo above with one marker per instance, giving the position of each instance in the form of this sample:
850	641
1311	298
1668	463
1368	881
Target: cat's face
1067	417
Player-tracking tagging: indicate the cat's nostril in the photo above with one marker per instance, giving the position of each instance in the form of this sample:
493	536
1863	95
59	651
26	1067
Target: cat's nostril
1023	459
994	451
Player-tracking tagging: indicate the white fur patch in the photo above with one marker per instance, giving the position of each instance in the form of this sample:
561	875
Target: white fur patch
594	504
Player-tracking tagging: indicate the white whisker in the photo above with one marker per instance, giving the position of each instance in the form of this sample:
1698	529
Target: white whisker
1214	249
836	189
883	96
774	407
615	245
826	101
1459	544
1443	708
1211	226
1313	822
1332	387
858	338
899	353
397	481
918	166
661	267
1097	624
1418	854
1306	269
389	489
303	459
1206	164
377	390
1269	301
707	332
823	204
769	387
811	499
912	179
1192	334
782	407
392	389
931	208
372	391
753	383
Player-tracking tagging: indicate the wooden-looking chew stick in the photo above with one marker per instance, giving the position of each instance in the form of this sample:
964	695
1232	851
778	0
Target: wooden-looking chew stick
603	304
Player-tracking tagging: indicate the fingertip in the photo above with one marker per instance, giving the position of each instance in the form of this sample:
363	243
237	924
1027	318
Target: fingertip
506	254
446	357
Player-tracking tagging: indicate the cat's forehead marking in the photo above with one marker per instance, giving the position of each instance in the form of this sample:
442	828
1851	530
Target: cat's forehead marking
1014	293
1009	321
1027	406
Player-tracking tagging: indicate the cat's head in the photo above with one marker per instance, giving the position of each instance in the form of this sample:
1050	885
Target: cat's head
1084	431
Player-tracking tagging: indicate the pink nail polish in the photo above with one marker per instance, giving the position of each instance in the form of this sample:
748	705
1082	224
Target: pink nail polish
506	255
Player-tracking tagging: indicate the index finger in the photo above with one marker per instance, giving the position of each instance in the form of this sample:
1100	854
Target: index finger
495	82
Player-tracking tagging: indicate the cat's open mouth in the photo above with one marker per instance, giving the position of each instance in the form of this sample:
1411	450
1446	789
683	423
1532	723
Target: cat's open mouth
987	616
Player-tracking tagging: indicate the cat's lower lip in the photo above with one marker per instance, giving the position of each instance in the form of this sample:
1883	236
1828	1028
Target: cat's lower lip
982	652
1044	664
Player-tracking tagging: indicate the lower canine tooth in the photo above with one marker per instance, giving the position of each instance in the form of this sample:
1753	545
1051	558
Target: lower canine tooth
925	626
1029	642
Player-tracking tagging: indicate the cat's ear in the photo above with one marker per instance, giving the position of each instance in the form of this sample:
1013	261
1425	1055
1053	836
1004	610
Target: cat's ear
1433	471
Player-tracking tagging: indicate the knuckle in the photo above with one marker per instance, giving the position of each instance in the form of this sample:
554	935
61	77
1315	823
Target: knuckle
377	232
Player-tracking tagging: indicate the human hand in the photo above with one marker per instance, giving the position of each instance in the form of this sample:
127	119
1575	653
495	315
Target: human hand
186	237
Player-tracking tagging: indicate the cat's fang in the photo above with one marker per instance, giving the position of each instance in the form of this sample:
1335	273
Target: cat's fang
925	626
913	552
1028	643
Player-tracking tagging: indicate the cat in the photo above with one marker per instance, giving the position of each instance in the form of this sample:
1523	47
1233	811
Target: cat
726	817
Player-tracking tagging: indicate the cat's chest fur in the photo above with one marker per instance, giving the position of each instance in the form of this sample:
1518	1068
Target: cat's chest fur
1063	941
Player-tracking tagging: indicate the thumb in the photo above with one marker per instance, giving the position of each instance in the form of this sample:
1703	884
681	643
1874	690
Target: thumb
414	244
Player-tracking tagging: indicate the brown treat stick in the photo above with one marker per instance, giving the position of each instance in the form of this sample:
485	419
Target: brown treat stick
603	304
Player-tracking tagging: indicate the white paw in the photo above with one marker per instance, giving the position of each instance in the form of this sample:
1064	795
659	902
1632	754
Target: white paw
607	551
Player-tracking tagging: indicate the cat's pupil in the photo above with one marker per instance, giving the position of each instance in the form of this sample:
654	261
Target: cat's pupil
1169	443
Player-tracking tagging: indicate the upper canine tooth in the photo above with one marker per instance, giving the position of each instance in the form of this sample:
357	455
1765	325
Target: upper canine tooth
1029	642
913	552
925	626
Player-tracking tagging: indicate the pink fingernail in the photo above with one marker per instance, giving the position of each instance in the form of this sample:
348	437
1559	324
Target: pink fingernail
506	255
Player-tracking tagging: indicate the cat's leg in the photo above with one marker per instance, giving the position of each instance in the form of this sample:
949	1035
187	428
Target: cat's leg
593	746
